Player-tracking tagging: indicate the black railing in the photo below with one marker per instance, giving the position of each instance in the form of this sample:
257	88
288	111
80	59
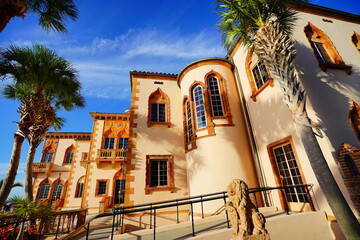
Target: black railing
56	223
119	213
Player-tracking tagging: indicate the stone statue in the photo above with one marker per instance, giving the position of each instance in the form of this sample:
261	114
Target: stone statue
247	222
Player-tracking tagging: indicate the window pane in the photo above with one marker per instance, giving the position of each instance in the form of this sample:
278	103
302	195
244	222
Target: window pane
123	143
69	157
260	74
159	173
320	52
215	96
101	187
44	190
48	156
56	194
109	143
199	107
189	122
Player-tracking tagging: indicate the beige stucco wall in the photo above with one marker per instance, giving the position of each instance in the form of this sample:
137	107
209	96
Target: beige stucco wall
329	97
226	155
156	139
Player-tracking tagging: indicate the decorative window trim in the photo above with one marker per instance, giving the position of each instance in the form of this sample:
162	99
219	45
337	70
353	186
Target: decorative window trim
62	193
158	96
314	34
170	173
69	150
97	188
270	147
79	192
39	188
248	67
209	123
189	144
355	39
354	118
223	94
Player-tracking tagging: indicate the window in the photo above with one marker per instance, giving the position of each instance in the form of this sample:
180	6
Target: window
354	116
199	107
351	166
101	187
69	154
119	193
47	157
355	38
57	189
157	112
215	96
109	143
159	172
324	50
44	189
189	125
260	74
289	173
159	108
123	143
80	187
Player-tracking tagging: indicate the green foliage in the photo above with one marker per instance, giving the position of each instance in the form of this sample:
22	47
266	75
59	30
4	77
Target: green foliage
242	18
53	13
17	184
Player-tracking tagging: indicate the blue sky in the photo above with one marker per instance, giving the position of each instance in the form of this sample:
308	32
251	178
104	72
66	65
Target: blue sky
111	38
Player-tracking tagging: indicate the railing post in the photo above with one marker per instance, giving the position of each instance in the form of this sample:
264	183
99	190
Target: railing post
177	211
154	223
87	231
113	226
150	215
227	215
283	193
58	226
202	207
192	219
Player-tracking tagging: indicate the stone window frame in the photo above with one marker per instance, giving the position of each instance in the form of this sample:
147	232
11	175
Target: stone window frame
315	35
158	96
70	151
170	173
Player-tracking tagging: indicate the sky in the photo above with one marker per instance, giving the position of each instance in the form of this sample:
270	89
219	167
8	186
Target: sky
112	38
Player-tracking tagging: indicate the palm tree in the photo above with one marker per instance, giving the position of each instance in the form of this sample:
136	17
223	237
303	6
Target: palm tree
17	184
52	13
265	26
35	137
43	82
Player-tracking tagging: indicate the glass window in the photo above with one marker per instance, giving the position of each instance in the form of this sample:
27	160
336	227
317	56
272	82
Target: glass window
80	187
123	143
159	176
56	194
47	157
44	190
199	107
69	157
157	112
320	52
215	96
260	73
189	126
101	187
289	173
109	143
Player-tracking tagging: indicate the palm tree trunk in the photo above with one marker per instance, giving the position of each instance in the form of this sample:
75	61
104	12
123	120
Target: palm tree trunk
276	48
29	175
12	169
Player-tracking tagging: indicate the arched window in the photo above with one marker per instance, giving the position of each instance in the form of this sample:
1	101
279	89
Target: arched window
324	50
257	73
199	104
80	187
43	192
159	108
57	190
69	154
355	119
355	38
215	97
189	123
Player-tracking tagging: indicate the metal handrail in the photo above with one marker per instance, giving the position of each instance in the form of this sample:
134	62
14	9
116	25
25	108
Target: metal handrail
153	207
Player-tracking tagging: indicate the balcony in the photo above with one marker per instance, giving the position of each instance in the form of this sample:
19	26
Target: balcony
112	156
42	167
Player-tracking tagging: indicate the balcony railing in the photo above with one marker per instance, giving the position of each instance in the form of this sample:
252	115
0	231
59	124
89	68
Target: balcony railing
41	167
111	156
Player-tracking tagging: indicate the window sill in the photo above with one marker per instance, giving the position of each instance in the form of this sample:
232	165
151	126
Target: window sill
258	91
148	190
325	66
168	124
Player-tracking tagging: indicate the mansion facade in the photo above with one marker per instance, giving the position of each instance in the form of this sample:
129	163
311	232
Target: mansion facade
219	119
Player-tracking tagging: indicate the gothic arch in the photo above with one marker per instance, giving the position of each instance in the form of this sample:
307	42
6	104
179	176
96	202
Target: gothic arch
158	108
